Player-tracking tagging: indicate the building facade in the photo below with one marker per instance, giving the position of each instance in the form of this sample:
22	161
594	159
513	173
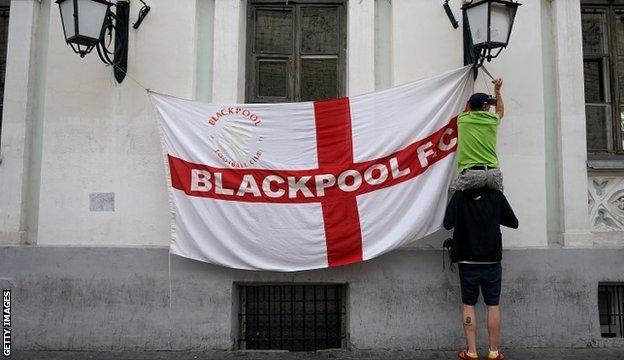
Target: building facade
84	216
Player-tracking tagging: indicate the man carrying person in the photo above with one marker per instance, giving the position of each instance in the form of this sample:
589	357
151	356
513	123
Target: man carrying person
477	161
476	216
476	211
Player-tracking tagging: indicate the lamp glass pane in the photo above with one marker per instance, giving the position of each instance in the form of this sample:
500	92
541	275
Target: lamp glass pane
67	13
500	23
478	21
91	18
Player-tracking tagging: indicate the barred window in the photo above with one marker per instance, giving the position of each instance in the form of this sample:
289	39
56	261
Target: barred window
611	310
295	50
292	317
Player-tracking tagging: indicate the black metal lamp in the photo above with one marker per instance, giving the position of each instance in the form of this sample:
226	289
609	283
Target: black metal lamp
89	24
489	24
83	21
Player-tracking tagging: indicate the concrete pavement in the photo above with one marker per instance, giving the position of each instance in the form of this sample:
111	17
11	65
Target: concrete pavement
516	354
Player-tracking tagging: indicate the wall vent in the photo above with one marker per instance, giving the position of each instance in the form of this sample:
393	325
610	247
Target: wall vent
291	317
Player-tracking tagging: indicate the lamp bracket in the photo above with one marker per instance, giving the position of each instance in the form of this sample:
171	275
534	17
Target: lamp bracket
450	14
117	24
486	54
142	14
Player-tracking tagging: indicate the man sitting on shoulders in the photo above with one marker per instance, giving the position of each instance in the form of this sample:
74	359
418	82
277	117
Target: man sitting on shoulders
477	161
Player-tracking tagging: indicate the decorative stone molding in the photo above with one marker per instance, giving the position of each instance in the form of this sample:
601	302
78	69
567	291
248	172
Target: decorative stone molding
606	203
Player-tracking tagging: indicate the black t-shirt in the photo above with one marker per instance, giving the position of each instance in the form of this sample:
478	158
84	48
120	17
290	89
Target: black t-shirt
476	216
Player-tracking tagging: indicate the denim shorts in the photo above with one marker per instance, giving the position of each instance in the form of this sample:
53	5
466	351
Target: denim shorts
484	276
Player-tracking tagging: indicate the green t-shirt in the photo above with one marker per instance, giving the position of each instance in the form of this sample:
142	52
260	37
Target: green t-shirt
477	139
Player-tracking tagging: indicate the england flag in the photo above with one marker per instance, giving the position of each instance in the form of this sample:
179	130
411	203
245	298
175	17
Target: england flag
298	186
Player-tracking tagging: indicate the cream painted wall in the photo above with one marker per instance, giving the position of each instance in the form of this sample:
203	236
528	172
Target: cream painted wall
15	134
521	139
571	124
101	137
360	47
424	42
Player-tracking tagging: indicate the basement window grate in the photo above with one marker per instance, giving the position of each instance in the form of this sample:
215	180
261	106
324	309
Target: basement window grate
611	310
292	317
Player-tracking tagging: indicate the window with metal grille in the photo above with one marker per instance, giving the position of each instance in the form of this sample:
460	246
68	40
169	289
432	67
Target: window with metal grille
611	310
295	50
292	317
4	35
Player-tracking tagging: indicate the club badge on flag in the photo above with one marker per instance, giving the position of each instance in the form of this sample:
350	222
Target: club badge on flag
299	186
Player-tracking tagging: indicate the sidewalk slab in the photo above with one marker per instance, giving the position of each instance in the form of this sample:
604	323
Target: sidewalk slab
514	354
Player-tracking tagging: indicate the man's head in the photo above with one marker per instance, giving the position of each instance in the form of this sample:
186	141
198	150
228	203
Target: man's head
481	102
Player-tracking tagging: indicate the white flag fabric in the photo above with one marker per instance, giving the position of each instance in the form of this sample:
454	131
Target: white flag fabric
298	186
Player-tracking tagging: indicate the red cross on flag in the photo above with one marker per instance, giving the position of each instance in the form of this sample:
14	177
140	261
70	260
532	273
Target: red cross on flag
298	186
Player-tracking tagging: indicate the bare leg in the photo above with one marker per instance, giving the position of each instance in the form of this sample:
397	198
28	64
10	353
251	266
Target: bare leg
493	324
470	327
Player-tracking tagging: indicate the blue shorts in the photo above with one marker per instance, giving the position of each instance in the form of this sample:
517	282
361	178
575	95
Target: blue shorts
484	276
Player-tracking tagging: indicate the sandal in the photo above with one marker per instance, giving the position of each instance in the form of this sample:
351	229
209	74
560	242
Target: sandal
463	354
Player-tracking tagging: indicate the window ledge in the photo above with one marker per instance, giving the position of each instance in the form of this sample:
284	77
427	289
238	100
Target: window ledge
605	162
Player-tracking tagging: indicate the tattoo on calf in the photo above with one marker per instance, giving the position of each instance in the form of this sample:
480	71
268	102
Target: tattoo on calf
468	321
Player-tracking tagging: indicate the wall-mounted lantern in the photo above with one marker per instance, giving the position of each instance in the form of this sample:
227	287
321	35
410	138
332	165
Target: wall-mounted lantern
82	23
489	23
89	24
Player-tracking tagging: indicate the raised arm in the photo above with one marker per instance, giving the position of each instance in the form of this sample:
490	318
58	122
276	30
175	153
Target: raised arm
500	106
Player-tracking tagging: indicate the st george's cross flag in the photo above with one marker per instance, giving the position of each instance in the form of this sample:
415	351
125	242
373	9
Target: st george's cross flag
298	186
